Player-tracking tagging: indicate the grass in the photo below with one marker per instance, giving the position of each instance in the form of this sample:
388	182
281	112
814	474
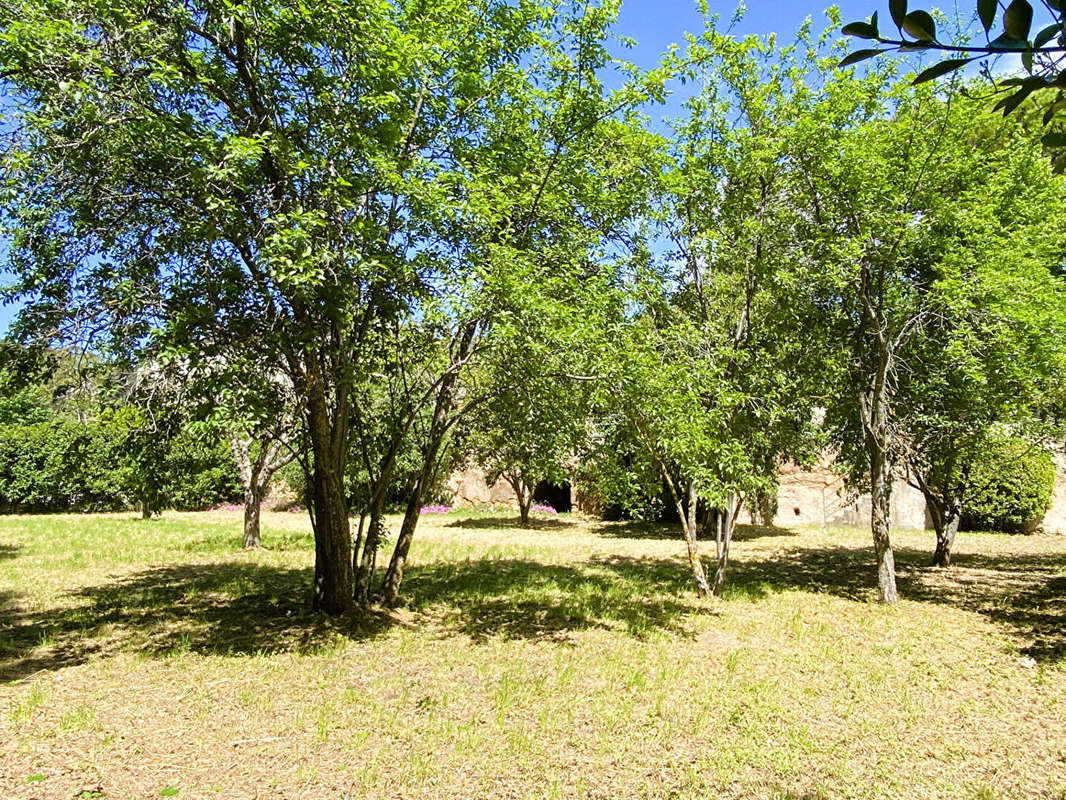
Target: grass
148	659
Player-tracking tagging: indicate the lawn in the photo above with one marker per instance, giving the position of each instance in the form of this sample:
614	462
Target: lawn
153	659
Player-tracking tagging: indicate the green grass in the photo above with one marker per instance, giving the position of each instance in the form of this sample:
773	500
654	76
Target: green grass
145	659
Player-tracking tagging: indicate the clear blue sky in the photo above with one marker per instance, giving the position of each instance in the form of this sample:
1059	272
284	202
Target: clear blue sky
656	24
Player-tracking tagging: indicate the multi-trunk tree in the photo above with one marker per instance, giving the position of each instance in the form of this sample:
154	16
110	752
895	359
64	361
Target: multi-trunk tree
708	364
294	178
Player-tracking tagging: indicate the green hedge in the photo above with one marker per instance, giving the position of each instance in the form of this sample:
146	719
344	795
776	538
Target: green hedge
1011	483
73	466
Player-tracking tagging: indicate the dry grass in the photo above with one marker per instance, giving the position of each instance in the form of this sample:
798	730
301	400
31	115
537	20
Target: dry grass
153	659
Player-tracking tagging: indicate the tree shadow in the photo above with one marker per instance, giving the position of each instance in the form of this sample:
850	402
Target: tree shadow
526	599
632	529
250	609
9	551
1025	593
243	609
510	523
218	609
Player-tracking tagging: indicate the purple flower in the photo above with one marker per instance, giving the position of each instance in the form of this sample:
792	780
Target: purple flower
434	509
543	509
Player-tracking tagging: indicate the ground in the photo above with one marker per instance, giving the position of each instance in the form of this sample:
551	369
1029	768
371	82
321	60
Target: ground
147	659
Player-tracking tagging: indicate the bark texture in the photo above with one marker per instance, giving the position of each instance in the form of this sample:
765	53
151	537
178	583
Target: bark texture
333	586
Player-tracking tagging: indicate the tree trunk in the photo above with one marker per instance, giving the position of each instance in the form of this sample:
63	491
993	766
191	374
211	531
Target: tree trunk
252	499
727	523
333	588
146	508
688	520
686	512
438	429
390	586
525	500
879	523
364	570
945	540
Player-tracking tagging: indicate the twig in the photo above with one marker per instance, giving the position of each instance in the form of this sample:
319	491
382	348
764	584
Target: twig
257	741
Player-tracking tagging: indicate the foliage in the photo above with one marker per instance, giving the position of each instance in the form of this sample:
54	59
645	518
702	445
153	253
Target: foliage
530	431
1011	482
65	465
73	442
1039	47
371	183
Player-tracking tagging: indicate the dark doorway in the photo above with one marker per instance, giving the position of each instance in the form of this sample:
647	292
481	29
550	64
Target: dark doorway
556	495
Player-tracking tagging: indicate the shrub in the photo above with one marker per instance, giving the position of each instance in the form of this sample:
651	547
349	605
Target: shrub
65	465
1010	487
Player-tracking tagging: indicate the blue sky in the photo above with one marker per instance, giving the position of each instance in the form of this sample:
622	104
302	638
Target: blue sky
655	24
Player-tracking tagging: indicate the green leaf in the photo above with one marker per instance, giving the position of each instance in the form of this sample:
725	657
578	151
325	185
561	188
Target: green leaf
859	55
1027	61
1005	42
1047	34
169	791
986	10
1017	20
920	25
898	10
1011	102
864	30
941	68
1054	139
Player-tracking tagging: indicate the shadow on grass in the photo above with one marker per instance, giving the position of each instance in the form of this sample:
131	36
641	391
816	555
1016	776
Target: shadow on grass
633	529
1025	593
525	599
248	609
220	609
244	609
509	522
9	551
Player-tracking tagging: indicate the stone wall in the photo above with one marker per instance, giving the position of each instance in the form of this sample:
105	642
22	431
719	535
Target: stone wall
819	497
805	497
469	487
1055	518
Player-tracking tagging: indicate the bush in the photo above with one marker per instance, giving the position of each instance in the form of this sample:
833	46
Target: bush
65	465
1010	487
200	474
57	466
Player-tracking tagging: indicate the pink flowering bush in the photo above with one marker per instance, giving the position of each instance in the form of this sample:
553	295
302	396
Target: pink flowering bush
438	509
542	509
227	507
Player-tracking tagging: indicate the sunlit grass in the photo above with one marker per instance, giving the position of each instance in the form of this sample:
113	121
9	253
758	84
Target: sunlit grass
568	660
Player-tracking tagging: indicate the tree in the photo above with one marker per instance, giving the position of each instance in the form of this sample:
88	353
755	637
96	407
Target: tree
990	362
703	356
251	405
258	458
529	432
903	196
285	179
